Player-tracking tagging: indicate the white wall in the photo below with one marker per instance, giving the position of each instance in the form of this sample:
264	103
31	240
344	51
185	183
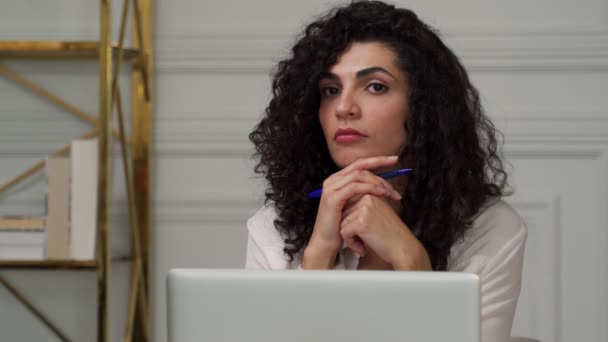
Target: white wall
541	67
542	70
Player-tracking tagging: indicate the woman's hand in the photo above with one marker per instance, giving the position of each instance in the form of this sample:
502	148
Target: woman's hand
342	188
372	223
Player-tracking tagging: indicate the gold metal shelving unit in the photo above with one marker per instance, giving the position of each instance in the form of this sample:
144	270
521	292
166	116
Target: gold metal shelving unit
135	153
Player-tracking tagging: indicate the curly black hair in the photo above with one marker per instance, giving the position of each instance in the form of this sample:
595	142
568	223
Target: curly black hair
453	145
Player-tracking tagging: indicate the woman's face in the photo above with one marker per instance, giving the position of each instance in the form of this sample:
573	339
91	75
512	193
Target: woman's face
364	104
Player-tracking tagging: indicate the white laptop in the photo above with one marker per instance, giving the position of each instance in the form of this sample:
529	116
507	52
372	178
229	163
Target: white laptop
316	306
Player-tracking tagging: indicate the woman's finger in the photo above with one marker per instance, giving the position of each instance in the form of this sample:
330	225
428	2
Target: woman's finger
338	199
371	163
351	239
362	176
352	206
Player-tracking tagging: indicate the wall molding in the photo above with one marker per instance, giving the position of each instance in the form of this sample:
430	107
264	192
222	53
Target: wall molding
206	211
226	134
165	211
540	212
544	293
483	51
488	51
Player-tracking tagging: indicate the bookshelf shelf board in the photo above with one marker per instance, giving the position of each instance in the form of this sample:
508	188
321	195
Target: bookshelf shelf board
49	264
57	49
56	264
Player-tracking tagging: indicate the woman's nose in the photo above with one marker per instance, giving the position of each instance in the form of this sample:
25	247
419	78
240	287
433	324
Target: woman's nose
347	106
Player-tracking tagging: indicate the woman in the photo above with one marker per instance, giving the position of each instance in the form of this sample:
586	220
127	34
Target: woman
371	88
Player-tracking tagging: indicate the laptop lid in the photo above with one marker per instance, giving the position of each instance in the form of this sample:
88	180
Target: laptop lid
304	306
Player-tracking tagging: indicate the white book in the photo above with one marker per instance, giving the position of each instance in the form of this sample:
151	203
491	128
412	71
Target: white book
83	201
24	223
22	238
22	245
23	252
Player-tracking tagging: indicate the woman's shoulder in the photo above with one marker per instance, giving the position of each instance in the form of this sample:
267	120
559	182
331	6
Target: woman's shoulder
261	226
500	220
496	227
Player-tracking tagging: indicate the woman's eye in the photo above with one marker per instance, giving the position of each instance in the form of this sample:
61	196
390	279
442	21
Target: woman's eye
377	87
329	91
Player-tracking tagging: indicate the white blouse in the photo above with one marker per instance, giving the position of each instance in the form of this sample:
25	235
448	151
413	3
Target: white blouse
493	249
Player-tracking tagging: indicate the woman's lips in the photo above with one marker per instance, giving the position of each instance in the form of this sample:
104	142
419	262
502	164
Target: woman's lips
348	135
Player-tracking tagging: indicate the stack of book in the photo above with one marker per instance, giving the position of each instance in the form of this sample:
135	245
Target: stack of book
22	237
68	230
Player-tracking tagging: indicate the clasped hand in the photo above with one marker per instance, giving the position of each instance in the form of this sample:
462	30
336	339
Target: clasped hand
354	209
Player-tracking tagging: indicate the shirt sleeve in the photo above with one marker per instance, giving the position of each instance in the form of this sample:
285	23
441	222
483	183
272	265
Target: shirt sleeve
264	243
500	288
255	256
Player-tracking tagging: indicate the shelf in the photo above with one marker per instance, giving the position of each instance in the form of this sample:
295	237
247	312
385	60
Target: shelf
55	264
49	264
56	49
138	57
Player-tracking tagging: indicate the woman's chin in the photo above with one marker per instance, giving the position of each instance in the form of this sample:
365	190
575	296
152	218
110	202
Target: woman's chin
344	160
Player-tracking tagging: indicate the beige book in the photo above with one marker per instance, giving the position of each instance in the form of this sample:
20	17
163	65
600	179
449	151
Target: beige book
19	223
57	206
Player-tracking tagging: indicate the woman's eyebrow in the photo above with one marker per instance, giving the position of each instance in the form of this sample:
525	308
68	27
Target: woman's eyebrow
329	75
371	70
361	73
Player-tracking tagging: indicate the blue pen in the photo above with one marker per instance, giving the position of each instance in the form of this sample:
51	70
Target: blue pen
385	175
